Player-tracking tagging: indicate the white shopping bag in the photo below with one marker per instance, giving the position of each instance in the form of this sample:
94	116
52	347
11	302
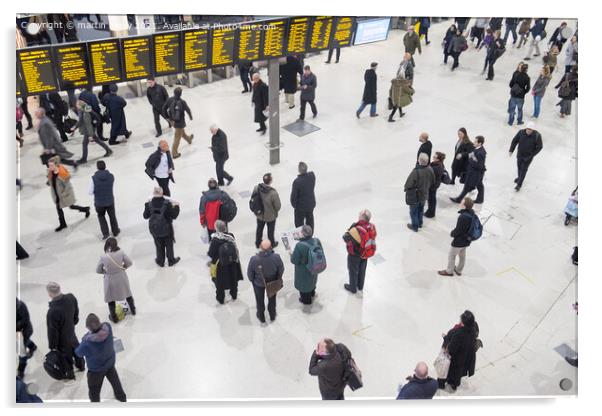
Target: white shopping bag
442	364
204	236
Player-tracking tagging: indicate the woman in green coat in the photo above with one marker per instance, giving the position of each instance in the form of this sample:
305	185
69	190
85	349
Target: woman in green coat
400	95
305	281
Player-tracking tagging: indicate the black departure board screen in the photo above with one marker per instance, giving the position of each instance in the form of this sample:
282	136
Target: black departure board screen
274	39
222	46
136	57
71	61
321	29
167	53
105	62
196	49
298	31
343	31
37	70
249	42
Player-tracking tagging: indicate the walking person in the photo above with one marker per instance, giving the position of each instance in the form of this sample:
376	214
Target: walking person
411	42
260	100
99	352
209	206
462	23
271	206
157	97
101	186
26	347
406	68
23	105
225	259
303	196
458	45
539	89
419	386
87	127
87	96
567	91
494	51
49	138
61	318
361	245
288	75
400	95
266	266
511	24
175	109
327	364
538	33
475	172
56	109
219	149
478	30
115	105
571	54
243	70
301	257
438	170
529	144
523	31
334	45
308	83
560	36
461	239
161	212
425	24
520	84
113	265
61	191
369	96
463	148
160	166
448	42
416	190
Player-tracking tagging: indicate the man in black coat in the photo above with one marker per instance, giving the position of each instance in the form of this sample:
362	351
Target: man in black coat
159	166
419	386
115	105
426	146
475	172
219	148
303	197
520	84
529	145
26	329
260	101
62	316
157	96
161	212
308	83
460	239
369	96
243	69
56	109
101	186
176	109
86	95
326	363
288	75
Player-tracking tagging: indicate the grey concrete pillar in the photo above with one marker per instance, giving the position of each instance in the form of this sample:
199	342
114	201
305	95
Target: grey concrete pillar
274	113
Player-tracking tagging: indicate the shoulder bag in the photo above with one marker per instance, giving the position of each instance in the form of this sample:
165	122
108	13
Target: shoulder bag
272	287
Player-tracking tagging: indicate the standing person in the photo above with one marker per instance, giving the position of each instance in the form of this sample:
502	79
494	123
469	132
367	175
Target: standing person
209	206
570	54
115	105
520	84
101	186
309	83
475	172
448	42
97	347
27	346
416	188
558	37
61	191
463	148
334	45
494	51
87	127
305	280
567	91
260	100
271	206
113	265
303	196
529	145
157	96
161	212
175	108
460	240
56	109
159	166
369	96
243	69
61	318
219	148
459	45
550	59
406	69
538	32
288	74
426	146
462	23
411	42
523	31
265	266
49	138
327	364
478	30
438	170
539	89
223	253
23	104
511	24
419	386
87	96
425	24
360	242
400	94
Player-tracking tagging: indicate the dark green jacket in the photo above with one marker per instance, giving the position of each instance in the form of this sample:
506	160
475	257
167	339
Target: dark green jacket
305	282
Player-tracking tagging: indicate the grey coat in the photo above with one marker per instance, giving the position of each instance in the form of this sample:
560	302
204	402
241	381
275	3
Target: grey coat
64	191
116	283
50	139
309	93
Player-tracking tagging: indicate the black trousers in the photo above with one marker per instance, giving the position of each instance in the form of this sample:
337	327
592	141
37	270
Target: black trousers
357	271
306	297
59	211
164	248
329	397
478	32
221	173
112	306
523	166
72	359
304	217
104	228
29	344
260	300
489	62
395	108
338	49
480	189
432	202
60	126
220	292
262	125
164	184
26	112
99	130
314	110
259	232
244	78
456	56
95	379
19	129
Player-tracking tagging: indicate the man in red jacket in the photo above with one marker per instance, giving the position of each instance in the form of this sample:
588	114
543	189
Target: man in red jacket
209	206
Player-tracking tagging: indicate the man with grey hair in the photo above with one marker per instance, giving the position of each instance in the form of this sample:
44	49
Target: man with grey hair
420	385
426	146
61	318
360	241
160	213
303	197
219	148
50	140
416	190
305	279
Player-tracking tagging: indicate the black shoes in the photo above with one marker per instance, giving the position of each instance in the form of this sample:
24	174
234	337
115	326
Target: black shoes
429	215
104	237
87	211
29	127
159	264
174	262
60	227
229	181
108	153
357	114
114	142
116	233
261	317
31	351
128	134
272	317
390	120
374	115
456	200
571	361
275	244
348	288
517	188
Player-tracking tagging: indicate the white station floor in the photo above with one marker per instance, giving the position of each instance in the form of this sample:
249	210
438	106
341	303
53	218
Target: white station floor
518	281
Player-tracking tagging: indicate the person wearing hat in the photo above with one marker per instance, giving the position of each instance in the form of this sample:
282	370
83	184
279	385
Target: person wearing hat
157	96
86	124
529	145
115	105
369	96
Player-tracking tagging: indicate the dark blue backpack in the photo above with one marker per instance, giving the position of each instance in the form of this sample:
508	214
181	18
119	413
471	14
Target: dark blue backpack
476	228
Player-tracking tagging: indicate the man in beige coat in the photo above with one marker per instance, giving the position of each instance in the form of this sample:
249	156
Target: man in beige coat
271	206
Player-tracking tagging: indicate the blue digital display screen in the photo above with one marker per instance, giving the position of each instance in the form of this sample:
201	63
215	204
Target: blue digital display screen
371	30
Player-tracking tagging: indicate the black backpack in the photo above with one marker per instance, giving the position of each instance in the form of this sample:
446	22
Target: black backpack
56	365
256	203
228	210
352	375
227	253
177	110
157	223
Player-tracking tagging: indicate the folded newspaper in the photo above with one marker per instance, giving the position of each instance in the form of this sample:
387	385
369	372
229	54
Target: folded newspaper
290	238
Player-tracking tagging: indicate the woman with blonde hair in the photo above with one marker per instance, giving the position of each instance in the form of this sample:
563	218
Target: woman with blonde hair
61	191
539	89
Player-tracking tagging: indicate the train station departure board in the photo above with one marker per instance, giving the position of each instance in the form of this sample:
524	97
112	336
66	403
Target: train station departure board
136	57
298	31
18	84
37	70
343	31
71	61
196	49
274	39
222	46
167	53
249	42
105	62
321	29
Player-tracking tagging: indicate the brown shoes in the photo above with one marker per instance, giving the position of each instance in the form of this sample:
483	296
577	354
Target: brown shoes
444	273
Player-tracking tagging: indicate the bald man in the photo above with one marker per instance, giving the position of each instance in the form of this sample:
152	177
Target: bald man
159	166
426	146
420	385
265	266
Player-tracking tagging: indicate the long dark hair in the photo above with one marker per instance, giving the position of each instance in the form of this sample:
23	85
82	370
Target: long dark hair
467	319
111	245
465	139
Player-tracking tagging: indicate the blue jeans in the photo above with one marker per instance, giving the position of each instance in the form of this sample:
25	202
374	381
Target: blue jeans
372	108
416	212
515	103
536	105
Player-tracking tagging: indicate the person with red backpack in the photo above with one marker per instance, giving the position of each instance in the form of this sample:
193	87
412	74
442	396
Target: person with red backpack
361	245
209	206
